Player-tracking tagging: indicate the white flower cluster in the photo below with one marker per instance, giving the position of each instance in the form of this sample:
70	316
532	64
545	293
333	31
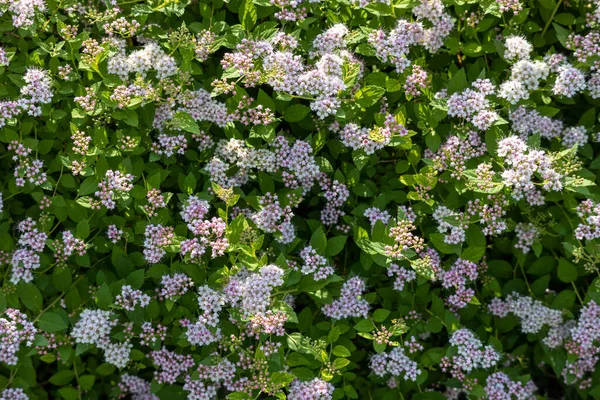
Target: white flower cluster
532	313
94	327
151	57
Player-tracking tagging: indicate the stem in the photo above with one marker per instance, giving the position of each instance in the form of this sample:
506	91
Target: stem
577	293
551	17
525	278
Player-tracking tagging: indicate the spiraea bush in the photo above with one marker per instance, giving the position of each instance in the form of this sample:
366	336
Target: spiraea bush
311	200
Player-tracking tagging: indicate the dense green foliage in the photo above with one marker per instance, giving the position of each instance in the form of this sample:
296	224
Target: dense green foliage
299	199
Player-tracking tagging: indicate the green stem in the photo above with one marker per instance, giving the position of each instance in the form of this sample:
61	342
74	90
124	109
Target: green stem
551	17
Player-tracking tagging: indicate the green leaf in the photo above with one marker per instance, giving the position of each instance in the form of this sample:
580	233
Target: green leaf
296	113
335	245
369	95
381	315
562	34
69	393
104	297
88	186
184	122
341	351
248	14
318	241
458	82
333	335
340	363
30	296
566	271
136	279
364	325
473	253
61	378
51	322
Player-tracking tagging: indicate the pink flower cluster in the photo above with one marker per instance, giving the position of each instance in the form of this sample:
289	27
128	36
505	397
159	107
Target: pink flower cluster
157	237
175	285
170	365
27	169
395	363
532	313
404	239
401	275
527	122
198	104
371	140
286	72
315	264
589	228
451	223
395	46
336	194
473	106
68	246
26	257
454	154
14	330
129	298
458	276
499	386
208	232
416	81
137	387
115	186
316	389
251	292
523	166
472	354
350	303
269	323
114	234
24	11
374	214
527	235
489	213
272	218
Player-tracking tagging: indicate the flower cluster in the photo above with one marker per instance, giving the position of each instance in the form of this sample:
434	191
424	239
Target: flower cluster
208	232
129	298
115	186
457	277
473	105
251	292
172	286
316	389
499	386
532	313
28	169
523	166
315	264
589	212
272	218
375	214
395	363
350	303
26	257
404	239
395	46
471	353
68	246
14	330
401	275
157	237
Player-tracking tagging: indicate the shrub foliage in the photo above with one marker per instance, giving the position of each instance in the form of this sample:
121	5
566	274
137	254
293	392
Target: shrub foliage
319	199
